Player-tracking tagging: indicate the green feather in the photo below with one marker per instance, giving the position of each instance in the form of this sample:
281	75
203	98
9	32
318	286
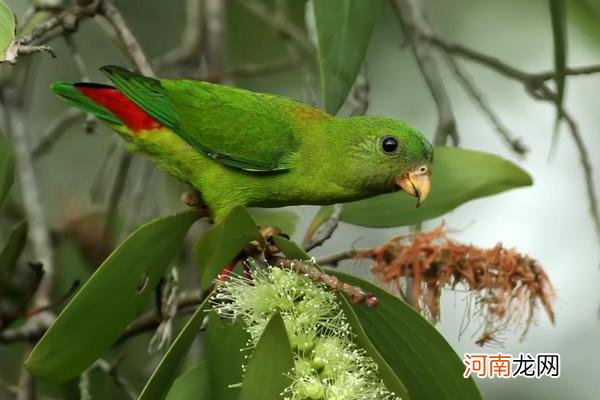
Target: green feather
235	123
145	92
204	115
74	97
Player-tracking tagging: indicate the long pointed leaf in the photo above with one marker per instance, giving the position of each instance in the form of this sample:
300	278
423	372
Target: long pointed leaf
116	292
225	359
192	385
163	376
558	17
344	30
223	242
417	352
391	378
272	359
8	26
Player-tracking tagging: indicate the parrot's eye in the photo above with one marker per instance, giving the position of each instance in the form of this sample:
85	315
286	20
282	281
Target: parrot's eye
390	145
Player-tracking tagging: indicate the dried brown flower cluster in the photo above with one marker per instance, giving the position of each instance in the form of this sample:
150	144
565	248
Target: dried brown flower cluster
505	287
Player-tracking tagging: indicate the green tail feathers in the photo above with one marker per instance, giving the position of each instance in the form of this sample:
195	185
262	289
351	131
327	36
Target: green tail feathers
74	97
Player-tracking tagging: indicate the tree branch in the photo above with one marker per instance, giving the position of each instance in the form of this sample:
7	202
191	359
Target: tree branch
191	39
116	193
283	26
417	29
325	231
124	34
586	165
479	98
55	131
38	230
534	84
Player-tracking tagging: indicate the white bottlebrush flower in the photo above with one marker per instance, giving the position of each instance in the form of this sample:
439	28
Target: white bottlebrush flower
328	364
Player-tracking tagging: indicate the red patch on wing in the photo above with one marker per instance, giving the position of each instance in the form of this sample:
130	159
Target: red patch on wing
126	110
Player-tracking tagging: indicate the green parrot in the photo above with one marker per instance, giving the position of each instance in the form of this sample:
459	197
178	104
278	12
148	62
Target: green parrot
238	147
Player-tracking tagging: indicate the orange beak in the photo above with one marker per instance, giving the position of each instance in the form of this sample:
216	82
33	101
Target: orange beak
417	182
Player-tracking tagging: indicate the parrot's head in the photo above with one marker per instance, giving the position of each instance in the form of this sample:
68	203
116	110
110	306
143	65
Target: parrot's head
392	155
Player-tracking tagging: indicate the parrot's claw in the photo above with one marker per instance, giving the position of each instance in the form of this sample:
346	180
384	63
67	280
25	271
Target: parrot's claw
268	233
193	199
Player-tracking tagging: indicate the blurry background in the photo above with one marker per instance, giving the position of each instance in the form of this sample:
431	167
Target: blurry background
548	220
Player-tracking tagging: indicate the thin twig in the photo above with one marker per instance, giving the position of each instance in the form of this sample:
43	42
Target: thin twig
191	39
417	29
326	230
480	58
281	25
133	49
360	94
479	98
151	320
334	259
139	194
65	21
111	369
124	34
573	71
586	165
84	385
55	131
144	323
117	192
534	84
26	386
214	39
38	229
295	51
90	120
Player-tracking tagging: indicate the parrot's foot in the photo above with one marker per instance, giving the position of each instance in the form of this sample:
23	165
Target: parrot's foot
268	233
193	199
266	247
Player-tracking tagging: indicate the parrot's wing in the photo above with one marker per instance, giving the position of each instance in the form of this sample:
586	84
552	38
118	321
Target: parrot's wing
241	129
77	99
145	92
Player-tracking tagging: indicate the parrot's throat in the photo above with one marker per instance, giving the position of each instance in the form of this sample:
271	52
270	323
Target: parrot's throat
116	102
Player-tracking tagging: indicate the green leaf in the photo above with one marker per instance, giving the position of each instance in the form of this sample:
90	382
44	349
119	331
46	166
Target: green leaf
290	249
163	376
8	25
11	252
413	348
223	242
192	385
223	344
7	167
320	218
282	219
116	292
458	176
558	16
272	360
392	380
344	30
